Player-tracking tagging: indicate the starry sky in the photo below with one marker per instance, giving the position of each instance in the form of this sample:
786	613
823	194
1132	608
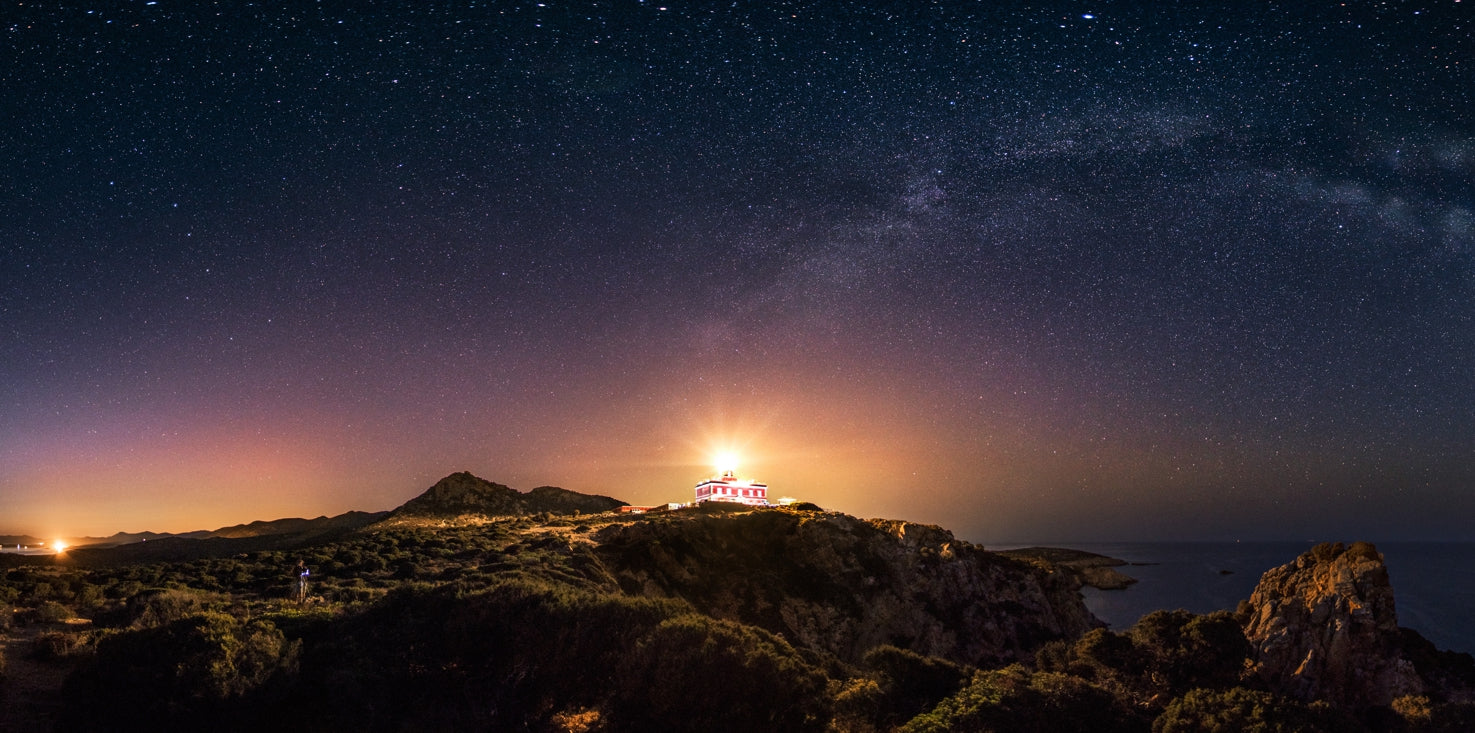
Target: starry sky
1044	271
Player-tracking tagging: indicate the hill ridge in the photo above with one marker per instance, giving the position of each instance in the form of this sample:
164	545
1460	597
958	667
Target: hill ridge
463	493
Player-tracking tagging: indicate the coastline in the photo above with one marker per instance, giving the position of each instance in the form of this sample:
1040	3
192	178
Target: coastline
1433	582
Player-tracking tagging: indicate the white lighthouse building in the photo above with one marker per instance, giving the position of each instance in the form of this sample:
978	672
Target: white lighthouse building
728	487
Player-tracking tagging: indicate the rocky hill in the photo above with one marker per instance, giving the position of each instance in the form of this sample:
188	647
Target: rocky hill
462	493
844	585
1324	627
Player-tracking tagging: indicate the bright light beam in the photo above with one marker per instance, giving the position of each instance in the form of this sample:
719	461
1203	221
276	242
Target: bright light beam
726	462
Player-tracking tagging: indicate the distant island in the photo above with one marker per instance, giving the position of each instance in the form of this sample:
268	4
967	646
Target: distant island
474	606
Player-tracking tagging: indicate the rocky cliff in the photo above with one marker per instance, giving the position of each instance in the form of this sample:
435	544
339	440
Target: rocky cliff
845	585
1324	628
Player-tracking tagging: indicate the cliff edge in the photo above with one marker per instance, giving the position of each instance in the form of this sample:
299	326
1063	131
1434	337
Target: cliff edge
844	585
1324	627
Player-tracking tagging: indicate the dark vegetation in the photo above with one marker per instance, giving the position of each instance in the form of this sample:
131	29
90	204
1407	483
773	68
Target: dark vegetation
528	624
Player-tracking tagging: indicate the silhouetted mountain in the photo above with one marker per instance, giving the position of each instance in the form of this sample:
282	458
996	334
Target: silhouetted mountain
126	538
20	539
280	534
462	493
301	527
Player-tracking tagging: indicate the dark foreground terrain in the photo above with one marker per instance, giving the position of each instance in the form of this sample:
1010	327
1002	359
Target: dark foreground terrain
478	608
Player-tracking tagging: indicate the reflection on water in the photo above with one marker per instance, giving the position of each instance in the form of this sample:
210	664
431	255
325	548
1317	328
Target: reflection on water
27	550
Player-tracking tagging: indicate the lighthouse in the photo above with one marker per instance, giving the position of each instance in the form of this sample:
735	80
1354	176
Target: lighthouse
728	487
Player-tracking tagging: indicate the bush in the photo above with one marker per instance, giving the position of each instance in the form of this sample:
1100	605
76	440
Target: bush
163	606
427	658
1190	651
525	654
1162	656
90	597
51	612
1102	650
55	645
40	592
702	674
175	676
1014	699
903	685
1238	710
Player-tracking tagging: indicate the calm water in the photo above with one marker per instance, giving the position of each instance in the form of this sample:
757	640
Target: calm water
1433	583
13	550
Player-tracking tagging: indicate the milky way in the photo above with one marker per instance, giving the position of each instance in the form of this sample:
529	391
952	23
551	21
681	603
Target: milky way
1033	272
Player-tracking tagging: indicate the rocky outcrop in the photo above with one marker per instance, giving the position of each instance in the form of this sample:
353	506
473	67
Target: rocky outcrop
1098	571
462	493
843	585
1324	628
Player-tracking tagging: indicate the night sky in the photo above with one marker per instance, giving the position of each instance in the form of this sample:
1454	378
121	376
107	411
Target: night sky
1053	271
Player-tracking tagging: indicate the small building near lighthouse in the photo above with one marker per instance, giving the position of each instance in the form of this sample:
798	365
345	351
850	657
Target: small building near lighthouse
728	487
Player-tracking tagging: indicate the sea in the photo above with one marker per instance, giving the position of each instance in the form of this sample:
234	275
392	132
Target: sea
27	550
1433	582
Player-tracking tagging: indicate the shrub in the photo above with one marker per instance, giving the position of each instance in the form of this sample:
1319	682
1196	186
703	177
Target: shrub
703	674
1238	710
163	606
1100	649
51	612
526	654
1162	656
55	645
174	676
908	683
1189	651
1014	699
90	597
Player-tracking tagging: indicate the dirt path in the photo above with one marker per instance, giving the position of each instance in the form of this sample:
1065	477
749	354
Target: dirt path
30	690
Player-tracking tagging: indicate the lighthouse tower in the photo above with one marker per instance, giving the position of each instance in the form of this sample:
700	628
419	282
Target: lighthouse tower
728	487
